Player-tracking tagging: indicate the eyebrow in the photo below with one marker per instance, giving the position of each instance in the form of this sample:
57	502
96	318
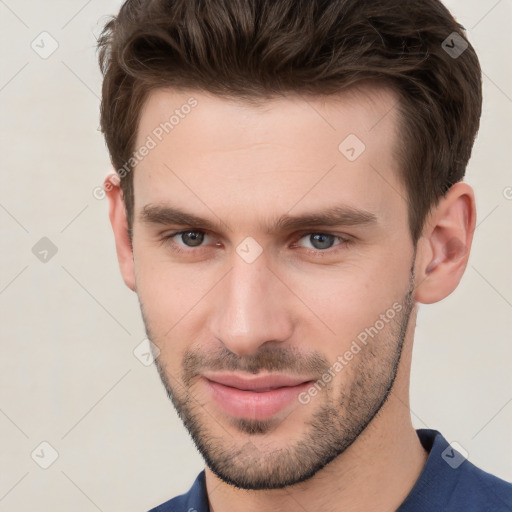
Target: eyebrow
159	214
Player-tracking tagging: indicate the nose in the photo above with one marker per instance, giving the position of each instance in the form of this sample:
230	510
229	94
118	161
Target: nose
252	308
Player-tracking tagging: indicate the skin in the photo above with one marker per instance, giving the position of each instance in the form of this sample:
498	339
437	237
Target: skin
299	305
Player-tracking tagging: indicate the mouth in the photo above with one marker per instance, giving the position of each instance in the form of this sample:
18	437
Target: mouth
256	397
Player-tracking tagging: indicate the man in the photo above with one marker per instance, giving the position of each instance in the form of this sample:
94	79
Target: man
287	190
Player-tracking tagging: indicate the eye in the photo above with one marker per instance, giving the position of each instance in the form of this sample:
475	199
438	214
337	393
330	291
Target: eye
322	242
189	239
319	243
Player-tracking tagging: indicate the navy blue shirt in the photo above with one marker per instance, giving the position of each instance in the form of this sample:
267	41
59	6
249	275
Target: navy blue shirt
447	483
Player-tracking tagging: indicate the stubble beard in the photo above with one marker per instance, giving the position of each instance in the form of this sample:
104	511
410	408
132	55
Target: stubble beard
334	424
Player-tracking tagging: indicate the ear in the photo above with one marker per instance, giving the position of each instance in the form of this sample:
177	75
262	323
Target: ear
443	249
117	214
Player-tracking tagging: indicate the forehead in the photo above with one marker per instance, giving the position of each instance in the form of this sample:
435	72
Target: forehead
368	109
218	153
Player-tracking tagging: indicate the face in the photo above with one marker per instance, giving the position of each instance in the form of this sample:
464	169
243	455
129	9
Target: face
273	264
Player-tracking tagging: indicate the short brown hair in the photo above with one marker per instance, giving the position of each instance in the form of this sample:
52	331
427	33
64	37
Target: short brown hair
253	49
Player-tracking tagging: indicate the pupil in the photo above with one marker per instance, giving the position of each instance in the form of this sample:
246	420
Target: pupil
324	241
193	236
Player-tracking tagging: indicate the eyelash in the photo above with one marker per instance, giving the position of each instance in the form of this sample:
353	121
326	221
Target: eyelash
344	242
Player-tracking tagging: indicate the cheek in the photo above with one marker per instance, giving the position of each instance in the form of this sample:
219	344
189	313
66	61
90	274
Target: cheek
174	301
347	300
330	303
163	293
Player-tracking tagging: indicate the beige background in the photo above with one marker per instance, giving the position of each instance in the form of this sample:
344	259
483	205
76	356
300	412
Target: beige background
68	375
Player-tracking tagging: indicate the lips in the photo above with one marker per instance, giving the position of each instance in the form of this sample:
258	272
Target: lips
254	382
255	397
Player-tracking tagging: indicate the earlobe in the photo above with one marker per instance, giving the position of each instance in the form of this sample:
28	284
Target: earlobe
443	250
119	222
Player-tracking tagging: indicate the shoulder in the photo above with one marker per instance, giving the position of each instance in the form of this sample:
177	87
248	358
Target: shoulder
451	483
194	500
483	491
